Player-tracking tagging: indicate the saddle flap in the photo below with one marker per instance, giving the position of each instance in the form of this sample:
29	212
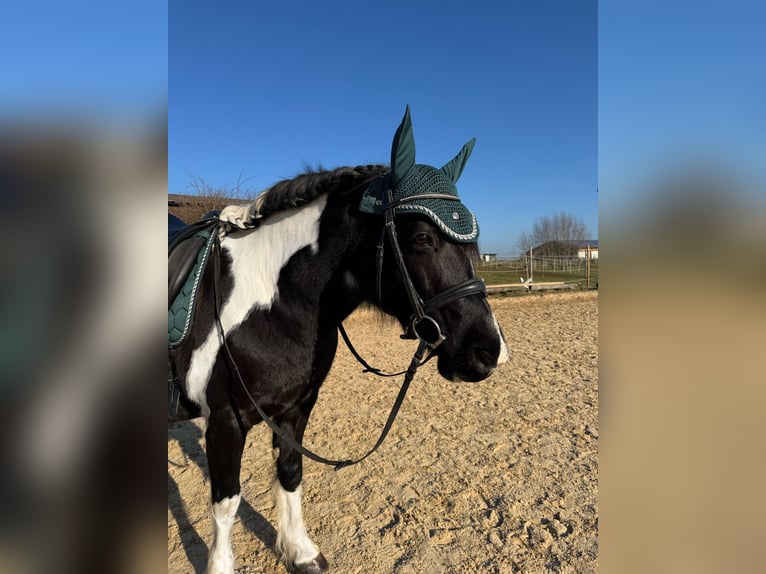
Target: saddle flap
188	250
181	261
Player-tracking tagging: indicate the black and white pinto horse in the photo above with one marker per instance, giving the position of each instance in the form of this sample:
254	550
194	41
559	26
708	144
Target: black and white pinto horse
293	266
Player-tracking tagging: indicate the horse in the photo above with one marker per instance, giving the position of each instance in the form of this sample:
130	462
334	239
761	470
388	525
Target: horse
289	268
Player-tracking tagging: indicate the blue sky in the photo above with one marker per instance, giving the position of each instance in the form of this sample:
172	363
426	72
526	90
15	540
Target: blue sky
681	83
261	89
79	59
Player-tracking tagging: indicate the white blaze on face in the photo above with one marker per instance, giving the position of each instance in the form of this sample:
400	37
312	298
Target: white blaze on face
504	355
258	258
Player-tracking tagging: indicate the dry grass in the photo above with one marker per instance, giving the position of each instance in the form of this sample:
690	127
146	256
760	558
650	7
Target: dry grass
205	197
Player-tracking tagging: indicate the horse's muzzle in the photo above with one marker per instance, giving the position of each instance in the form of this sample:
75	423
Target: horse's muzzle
474	364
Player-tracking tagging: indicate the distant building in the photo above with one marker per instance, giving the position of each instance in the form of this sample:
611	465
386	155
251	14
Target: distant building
489	257
582	248
570	248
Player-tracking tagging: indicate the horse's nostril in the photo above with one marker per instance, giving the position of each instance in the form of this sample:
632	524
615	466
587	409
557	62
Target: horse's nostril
484	357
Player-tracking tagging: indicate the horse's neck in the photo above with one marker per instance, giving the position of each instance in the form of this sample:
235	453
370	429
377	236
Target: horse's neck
287	246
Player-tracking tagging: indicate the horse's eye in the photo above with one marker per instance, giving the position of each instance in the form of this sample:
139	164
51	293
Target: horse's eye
423	239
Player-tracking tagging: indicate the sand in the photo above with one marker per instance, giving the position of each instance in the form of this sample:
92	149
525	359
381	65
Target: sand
499	476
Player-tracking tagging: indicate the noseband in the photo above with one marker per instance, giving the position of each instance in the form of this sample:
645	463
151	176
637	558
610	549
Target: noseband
421	325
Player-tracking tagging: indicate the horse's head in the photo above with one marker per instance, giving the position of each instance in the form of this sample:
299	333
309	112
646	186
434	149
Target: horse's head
428	279
473	344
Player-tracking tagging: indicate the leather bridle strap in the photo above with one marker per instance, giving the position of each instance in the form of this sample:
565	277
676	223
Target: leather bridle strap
416	303
389	230
367	367
464	289
420	310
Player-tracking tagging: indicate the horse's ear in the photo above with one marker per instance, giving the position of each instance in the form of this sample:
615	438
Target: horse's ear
454	168
403	149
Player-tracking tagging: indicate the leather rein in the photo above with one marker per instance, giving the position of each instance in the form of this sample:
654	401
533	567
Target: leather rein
422	326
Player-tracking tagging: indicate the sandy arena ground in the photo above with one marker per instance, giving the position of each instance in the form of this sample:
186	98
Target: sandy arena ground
496	477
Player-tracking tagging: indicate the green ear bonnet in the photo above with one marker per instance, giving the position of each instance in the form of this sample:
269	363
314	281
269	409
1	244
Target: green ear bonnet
408	178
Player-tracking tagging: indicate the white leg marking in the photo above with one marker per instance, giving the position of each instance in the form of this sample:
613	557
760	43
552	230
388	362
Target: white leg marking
221	559
258	258
504	355
293	543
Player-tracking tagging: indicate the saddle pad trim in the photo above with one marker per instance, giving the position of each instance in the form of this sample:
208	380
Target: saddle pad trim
195	277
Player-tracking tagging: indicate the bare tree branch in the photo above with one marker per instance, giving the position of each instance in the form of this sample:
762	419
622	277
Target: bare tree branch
554	235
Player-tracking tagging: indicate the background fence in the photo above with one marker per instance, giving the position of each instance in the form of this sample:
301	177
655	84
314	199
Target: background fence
572	270
579	272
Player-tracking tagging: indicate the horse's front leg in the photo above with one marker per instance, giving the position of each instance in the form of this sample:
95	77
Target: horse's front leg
294	546
225	441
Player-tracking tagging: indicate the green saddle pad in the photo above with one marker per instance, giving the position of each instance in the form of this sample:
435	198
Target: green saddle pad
181	310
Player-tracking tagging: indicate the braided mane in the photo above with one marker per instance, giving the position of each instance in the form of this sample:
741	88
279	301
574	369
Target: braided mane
310	185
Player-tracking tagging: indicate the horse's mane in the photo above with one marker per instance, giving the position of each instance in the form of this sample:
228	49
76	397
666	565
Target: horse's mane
311	184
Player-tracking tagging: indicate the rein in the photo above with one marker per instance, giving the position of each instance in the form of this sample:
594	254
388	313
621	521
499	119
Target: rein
417	360
367	368
422	327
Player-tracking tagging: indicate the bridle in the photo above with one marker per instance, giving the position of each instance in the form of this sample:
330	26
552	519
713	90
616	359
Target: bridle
422	326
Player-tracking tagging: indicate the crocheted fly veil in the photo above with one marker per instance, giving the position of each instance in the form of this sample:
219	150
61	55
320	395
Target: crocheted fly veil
408	178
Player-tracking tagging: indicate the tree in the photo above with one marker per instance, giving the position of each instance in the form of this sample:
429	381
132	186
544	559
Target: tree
557	232
524	242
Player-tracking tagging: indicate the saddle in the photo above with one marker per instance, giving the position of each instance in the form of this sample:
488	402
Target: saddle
189	246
